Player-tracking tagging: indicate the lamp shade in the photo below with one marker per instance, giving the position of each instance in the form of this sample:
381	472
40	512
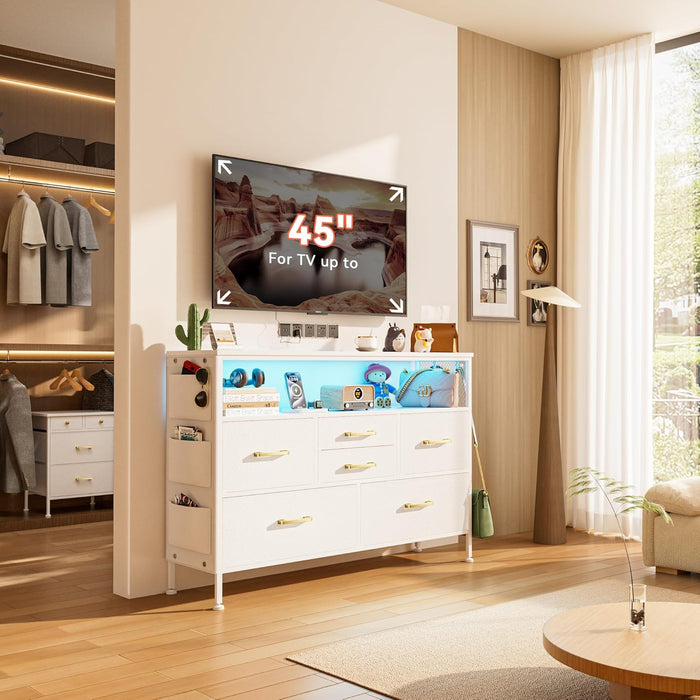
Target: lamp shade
551	295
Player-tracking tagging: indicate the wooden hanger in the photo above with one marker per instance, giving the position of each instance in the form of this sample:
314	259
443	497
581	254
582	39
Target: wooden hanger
5	371
92	202
64	380
112	218
77	375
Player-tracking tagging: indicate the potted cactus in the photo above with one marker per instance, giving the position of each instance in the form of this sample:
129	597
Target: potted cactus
587	480
193	338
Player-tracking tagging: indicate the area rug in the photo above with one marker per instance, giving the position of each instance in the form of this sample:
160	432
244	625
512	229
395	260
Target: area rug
488	653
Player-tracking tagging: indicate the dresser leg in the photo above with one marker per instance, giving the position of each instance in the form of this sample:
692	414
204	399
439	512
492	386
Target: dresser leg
468	547
171	590
26	501
92	501
218	592
48	507
416	547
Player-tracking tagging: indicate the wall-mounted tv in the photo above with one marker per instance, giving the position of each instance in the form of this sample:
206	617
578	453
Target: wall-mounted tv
286	238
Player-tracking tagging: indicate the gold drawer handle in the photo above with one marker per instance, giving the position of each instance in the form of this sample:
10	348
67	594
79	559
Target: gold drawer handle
425	504
364	433
101	421
83	478
444	441
295	521
66	422
83	447
275	453
366	465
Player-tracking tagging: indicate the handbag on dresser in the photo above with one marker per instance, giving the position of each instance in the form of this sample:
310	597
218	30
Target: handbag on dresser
482	520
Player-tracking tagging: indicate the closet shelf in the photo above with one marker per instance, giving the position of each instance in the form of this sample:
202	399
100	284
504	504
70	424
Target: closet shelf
12	355
55	165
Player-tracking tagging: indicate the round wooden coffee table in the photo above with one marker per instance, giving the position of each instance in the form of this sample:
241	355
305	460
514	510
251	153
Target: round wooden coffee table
661	662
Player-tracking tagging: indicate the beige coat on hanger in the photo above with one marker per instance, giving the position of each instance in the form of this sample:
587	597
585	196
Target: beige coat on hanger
24	237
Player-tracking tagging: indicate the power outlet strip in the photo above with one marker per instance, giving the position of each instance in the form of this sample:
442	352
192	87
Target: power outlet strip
284	330
321	330
332	331
297	329
309	330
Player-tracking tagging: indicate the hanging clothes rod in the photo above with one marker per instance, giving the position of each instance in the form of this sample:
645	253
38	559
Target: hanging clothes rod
56	355
55	185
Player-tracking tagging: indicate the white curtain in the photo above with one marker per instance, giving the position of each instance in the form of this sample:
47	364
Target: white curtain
605	249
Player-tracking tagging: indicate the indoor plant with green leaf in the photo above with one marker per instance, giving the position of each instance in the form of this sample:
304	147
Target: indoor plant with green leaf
621	501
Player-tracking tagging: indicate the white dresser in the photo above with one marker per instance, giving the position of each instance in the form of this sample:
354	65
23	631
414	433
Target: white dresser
303	484
74	454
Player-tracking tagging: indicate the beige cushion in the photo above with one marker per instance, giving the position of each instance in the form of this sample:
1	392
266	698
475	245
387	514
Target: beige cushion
680	496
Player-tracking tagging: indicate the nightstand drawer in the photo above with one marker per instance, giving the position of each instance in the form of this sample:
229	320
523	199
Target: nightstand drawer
81	479
79	447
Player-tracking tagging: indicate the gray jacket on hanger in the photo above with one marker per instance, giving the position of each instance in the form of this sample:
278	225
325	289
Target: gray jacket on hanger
17	470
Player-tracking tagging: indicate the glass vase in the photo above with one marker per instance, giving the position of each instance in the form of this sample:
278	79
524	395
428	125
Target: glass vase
638	600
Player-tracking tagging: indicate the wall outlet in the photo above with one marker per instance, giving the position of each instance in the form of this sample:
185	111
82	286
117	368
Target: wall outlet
309	330
332	331
296	330
321	330
284	330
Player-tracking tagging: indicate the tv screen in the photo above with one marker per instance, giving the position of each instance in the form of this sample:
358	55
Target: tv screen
287	238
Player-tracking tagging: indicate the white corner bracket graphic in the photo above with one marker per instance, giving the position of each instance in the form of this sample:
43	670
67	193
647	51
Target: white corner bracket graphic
221	163
397	193
398	308
221	298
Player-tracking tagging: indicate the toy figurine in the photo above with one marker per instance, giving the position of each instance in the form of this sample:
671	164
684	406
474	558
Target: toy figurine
377	375
395	339
424	339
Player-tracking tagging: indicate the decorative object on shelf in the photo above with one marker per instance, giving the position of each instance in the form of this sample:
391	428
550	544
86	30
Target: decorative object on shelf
492	272
537	255
423	339
193	338
377	375
395	340
482	520
239	378
220	334
366	343
426	388
536	308
445	338
587	480
351	397
550	520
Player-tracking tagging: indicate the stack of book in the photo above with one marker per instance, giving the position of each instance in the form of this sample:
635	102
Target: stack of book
251	401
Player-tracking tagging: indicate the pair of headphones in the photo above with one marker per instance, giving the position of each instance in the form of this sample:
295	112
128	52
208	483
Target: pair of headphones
239	378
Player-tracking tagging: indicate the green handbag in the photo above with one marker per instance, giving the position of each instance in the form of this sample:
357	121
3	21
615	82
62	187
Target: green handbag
482	521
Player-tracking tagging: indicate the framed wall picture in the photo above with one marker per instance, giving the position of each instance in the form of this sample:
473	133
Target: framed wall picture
537	255
536	309
492	272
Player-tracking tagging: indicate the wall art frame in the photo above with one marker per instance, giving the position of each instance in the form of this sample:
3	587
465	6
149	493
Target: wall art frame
492	272
536	309
537	255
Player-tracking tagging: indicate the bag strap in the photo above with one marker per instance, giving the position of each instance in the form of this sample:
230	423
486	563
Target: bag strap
478	458
408	383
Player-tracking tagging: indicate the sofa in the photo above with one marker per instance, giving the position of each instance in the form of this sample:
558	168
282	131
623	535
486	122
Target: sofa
673	548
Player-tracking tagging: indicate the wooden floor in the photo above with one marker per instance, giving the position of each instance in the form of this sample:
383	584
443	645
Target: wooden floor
64	635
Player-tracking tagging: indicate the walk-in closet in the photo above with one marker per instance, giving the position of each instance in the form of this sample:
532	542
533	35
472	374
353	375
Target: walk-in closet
56	347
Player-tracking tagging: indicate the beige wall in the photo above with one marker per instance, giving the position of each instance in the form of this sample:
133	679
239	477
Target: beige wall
358	87
508	135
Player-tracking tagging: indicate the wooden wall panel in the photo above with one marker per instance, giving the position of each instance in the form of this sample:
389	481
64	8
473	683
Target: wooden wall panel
508	139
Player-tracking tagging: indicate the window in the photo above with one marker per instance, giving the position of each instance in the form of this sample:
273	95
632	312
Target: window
676	380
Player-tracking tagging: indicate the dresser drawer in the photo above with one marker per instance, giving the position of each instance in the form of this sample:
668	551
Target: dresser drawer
79	447
80	479
360	429
435	440
408	510
254	535
264	454
357	463
62	424
98	422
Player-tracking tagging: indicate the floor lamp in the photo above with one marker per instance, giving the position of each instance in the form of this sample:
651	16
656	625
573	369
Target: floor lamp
550	520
